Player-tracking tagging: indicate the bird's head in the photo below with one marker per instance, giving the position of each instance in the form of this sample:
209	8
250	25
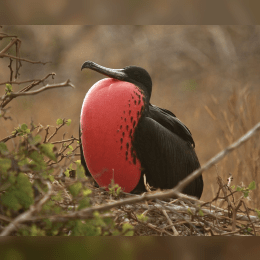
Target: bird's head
133	74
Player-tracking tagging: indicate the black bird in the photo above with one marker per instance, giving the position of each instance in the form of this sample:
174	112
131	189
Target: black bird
123	136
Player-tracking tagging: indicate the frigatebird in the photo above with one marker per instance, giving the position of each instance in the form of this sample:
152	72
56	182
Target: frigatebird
123	136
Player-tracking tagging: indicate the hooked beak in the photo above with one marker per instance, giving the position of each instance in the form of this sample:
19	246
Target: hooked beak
112	73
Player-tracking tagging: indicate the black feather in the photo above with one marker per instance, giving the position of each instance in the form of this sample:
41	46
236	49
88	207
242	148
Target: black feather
166	157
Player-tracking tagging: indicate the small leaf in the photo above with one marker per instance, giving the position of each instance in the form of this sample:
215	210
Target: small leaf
252	185
142	217
75	188
189	211
87	192
129	227
24	127
37	158
239	188
246	193
201	213
3	149
83	203
68	122
36	140
47	149
9	87
67	173
59	121
118	191
5	164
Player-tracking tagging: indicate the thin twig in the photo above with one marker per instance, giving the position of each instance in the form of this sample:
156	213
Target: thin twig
22	59
46	87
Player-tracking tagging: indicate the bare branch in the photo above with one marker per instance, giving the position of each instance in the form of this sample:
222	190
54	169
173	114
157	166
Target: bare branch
8	98
22	59
8	46
64	84
19	82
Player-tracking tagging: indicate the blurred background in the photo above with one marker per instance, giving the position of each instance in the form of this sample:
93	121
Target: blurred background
137	248
207	75
130	12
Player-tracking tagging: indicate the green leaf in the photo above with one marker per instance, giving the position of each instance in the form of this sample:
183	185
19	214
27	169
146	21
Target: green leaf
67	173
75	189
47	149
87	192
37	158
189	211
35	231
3	149
9	87
142	217
9	199
36	139
118	191
19	195
129	227
252	185
84	203
80	172
59	121
201	213
24	127
246	193
5	164
258	213
68	122
239	188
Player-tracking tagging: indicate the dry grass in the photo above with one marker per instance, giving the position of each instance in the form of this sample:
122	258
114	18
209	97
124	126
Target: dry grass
235	119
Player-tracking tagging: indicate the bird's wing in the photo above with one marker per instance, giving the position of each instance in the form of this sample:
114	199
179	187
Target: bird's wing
165	157
167	119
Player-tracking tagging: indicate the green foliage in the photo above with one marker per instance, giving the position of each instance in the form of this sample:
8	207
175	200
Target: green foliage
115	190
59	121
75	188
68	122
128	229
8	89
258	213
252	186
23	130
19	194
245	190
3	149
37	160
5	164
142	217
189	211
36	139
201	213
47	149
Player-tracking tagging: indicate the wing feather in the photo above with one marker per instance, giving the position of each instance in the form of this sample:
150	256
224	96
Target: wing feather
165	157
